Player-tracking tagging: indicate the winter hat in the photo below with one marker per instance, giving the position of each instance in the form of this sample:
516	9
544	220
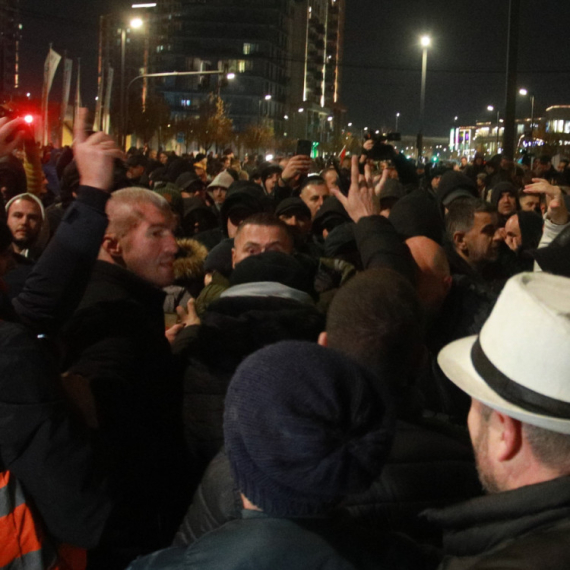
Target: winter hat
304	426
455	185
503	188
392	189
418	214
222	180
31	198
330	215
172	195
291	206
220	258
274	266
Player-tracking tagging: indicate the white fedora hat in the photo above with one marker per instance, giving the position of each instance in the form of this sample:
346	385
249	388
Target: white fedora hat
520	362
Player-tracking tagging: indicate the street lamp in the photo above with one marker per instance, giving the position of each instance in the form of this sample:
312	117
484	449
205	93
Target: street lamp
425	42
266	98
525	92
135	24
397	117
491	108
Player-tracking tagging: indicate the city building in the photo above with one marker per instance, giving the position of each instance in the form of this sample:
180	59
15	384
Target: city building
286	55
10	38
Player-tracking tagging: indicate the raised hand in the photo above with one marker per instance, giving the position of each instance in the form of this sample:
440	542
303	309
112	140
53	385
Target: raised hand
94	155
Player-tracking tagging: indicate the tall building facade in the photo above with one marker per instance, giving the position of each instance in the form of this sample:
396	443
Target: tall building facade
10	38
286	55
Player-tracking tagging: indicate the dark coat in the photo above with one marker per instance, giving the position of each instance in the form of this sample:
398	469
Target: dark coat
232	328
116	343
258	541
429	464
527	528
43	448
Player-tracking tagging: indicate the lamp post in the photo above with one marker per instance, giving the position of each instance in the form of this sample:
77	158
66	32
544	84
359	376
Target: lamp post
491	108
525	92
266	98
425	42
397	117
135	24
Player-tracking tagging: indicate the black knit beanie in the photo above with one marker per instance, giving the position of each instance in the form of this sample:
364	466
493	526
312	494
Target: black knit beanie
304	426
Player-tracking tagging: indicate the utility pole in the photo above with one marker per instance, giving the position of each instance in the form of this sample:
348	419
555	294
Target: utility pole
511	86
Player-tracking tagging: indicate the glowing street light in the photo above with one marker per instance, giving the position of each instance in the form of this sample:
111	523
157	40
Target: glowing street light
425	42
524	92
136	23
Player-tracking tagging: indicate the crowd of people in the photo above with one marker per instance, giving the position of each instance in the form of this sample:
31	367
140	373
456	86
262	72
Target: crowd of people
210	362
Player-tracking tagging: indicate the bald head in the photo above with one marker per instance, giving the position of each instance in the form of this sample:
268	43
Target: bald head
434	276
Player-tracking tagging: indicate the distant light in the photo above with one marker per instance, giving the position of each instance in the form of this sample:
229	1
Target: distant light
455	118
136	23
329	119
29	119
365	128
397	114
149	5
28	95
376	132
301	110
425	41
268	157
286	117
490	108
231	76
523	91
97	98
350	124
268	97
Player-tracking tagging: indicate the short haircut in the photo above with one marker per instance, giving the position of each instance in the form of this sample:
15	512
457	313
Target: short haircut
551	448
376	319
461	214
330	169
310	180
267	220
124	208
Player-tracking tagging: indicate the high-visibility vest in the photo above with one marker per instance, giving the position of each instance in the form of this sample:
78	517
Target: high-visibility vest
23	542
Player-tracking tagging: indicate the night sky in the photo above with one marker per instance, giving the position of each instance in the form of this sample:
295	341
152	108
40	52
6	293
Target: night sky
382	57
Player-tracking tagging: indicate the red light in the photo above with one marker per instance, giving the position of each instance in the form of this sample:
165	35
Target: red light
29	119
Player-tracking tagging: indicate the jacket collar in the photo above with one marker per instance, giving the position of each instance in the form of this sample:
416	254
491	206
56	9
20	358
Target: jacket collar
480	524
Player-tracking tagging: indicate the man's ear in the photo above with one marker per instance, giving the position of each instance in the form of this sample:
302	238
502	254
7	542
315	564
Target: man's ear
323	340
459	241
112	245
509	436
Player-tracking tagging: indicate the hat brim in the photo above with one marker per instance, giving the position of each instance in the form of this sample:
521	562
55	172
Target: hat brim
455	361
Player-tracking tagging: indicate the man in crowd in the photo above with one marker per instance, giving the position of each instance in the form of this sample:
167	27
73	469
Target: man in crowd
25	216
303	427
515	371
313	192
120	360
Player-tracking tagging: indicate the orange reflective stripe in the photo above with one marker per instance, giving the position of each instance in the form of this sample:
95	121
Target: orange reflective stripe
18	535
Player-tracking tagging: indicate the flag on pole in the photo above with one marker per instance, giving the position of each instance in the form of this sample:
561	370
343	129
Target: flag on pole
342	154
107	102
99	103
67	71
77	104
50	67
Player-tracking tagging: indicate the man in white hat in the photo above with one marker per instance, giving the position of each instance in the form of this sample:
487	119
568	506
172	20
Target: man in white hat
516	372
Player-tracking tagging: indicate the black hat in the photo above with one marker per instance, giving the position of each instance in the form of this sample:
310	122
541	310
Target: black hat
392	189
503	188
330	215
455	185
274	266
291	206
304	426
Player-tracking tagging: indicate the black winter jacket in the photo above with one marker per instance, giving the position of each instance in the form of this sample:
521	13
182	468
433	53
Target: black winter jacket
527	529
